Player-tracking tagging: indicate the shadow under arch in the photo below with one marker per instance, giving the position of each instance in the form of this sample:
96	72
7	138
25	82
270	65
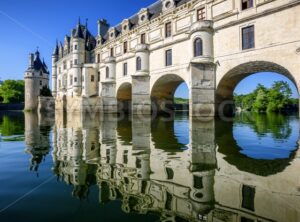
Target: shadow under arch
163	91
124	97
228	146
226	86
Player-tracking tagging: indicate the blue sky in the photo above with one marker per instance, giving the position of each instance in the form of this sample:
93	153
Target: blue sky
26	24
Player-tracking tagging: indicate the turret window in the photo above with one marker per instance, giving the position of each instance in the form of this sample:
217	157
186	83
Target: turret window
200	14
71	80
92	78
168	29
112	52
143	38
98	76
75	61
107	73
41	73
75	79
75	47
198	47
98	58
125	47
138	63
41	83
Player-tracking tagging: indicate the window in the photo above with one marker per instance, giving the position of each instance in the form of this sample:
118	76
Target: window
112	52
248	41
75	61
41	83
98	58
75	79
98	76
246	4
59	83
41	73
107	73
198	47
125	69
71	64
125	48
169	57
248	197
59	70
65	65
168	29
92	78
71	80
198	182
143	38
200	14
170	173
75	47
138	63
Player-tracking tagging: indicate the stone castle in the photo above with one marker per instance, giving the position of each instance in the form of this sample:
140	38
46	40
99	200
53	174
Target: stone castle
137	65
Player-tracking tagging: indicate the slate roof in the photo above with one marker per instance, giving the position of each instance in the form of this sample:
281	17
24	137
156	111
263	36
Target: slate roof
154	10
38	65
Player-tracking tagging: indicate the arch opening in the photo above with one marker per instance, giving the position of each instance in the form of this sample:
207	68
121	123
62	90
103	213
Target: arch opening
170	93
124	98
227	85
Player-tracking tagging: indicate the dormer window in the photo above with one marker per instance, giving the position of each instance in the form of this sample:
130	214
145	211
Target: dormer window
168	4
143	15
112	33
125	25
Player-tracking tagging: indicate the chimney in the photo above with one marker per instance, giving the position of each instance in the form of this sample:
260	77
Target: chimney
103	27
31	60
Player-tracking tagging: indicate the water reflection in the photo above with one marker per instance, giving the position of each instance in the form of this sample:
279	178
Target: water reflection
181	170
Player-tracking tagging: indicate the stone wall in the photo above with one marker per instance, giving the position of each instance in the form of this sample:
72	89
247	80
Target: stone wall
46	104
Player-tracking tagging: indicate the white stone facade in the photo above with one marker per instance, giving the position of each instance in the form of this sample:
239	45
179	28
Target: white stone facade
90	76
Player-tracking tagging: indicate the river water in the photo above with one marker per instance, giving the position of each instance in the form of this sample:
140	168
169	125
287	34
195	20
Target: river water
104	168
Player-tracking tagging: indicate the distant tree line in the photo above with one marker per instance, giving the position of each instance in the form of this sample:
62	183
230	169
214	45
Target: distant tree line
12	91
277	98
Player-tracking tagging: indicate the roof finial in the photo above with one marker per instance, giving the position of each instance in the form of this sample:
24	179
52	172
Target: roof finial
79	20
86	22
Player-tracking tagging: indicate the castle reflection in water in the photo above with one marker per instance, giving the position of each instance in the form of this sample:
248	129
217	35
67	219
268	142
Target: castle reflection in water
146	165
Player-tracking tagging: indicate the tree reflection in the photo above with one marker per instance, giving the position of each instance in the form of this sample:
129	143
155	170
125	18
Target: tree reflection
277	125
11	123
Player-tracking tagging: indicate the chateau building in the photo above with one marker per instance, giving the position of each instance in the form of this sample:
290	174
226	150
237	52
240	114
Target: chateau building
212	45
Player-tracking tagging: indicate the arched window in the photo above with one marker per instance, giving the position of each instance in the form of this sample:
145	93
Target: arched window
107	73
198	47
138	63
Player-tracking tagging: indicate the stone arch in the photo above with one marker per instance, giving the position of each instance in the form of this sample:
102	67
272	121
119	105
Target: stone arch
229	81
124	97
163	90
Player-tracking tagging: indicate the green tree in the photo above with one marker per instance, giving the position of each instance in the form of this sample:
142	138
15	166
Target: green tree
261	99
279	96
12	91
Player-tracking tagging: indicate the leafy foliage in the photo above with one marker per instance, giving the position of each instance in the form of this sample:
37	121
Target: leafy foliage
12	91
262	99
181	101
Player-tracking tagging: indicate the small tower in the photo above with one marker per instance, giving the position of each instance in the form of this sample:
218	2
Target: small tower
36	77
78	57
55	56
